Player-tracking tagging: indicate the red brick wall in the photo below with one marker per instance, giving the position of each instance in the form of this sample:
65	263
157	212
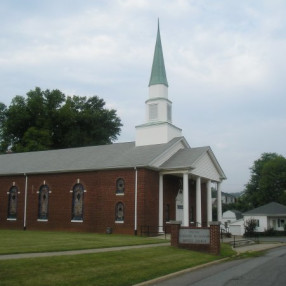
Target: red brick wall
148	198
99	200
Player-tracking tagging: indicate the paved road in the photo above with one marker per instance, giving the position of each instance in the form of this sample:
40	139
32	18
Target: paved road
266	270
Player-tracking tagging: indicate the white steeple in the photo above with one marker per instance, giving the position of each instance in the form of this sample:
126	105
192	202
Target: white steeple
158	127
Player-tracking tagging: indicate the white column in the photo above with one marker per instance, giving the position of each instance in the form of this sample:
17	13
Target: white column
209	202
185	199
198	202
219	210
160	203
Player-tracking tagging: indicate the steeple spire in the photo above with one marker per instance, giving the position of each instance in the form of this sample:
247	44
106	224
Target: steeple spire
158	73
158	127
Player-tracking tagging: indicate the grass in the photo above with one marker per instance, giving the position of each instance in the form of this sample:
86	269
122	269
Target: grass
126	267
19	241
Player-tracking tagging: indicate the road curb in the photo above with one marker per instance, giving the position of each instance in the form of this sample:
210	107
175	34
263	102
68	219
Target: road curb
175	274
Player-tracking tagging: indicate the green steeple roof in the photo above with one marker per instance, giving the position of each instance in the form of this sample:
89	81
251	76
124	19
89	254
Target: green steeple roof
158	74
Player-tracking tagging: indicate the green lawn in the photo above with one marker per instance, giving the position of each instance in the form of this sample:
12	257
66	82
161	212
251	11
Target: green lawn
19	241
125	267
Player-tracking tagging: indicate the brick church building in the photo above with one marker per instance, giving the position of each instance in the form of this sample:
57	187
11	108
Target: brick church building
122	186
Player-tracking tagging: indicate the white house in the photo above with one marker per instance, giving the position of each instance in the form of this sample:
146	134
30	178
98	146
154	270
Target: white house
272	215
227	198
236	227
230	216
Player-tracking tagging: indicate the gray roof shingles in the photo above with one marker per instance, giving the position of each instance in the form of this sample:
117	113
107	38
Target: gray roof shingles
118	155
185	158
272	208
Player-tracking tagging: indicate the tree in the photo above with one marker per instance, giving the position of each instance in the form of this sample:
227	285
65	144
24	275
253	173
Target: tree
250	227
49	120
272	184
267	182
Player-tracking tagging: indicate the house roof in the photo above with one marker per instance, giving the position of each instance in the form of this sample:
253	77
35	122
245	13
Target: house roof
271	209
238	214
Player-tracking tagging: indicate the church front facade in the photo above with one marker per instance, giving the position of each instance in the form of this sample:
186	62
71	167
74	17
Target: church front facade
125	187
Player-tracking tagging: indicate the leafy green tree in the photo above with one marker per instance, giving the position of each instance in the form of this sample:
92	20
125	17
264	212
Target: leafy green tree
49	120
267	182
272	184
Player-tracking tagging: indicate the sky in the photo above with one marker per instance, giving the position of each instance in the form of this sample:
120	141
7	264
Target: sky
225	63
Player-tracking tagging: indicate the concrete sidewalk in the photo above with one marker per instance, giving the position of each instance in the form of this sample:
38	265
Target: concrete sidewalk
76	252
257	247
262	244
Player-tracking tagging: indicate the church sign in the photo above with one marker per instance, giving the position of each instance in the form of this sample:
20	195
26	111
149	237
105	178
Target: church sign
205	239
194	236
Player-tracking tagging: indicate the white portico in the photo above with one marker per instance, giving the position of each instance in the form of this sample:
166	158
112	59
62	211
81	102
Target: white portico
197	169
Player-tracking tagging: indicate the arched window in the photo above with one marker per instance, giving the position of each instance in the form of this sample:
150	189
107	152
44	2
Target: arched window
119	212
12	203
77	202
120	186
43	202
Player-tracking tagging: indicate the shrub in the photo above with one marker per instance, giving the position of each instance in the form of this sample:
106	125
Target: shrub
250	226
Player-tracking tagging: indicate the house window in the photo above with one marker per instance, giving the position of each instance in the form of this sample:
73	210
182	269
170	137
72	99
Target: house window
12	203
119	212
43	202
257	222
120	186
77	202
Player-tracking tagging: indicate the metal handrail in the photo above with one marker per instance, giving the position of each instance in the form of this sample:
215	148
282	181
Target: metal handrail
152	230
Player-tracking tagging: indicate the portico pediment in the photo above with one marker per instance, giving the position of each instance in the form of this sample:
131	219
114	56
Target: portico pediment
199	161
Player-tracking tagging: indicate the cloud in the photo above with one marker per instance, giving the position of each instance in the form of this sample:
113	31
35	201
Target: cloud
224	59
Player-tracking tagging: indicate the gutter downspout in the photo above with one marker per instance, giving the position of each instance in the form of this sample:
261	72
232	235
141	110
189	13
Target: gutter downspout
135	203
25	204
